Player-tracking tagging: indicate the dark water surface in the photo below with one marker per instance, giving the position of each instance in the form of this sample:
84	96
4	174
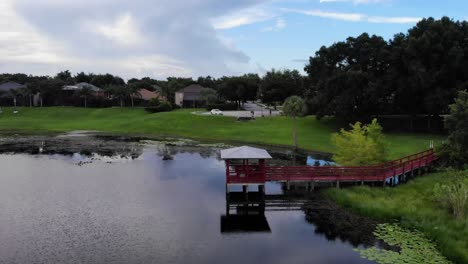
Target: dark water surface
145	203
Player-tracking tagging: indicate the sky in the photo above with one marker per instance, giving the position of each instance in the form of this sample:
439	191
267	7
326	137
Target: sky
190	38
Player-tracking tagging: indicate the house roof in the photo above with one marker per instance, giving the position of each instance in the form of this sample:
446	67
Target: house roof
193	88
6	87
191	92
80	86
148	95
244	152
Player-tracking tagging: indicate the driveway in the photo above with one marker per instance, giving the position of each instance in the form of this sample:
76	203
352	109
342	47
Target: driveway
249	106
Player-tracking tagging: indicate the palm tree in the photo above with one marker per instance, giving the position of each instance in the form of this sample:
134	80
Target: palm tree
133	90
119	92
294	106
26	92
85	92
15	93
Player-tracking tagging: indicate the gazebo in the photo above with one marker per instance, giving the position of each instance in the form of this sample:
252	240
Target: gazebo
245	165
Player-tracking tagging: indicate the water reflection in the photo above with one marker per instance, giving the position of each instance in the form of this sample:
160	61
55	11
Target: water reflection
245	212
143	209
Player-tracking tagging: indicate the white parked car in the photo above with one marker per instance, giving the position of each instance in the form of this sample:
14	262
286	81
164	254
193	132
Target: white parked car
216	112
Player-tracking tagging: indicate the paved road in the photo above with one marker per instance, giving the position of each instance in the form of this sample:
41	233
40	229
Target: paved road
249	106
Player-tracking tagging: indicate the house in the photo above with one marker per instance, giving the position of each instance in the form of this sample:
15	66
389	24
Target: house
76	88
5	88
148	95
189	96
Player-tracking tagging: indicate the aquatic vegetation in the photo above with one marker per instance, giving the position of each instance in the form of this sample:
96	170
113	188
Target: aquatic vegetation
454	194
414	247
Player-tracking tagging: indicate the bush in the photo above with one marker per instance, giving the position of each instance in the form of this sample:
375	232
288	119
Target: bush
222	107
457	124
163	107
454	195
362	145
154	102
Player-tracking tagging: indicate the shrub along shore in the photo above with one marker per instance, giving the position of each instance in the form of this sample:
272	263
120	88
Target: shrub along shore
414	206
313	135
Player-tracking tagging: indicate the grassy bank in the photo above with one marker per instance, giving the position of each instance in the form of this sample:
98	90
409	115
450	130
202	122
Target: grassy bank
312	134
412	205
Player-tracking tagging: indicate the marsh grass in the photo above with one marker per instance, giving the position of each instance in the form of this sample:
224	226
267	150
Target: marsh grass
413	206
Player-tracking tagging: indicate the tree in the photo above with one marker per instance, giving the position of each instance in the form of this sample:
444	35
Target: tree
362	145
50	90
276	85
83	77
346	78
238	88
85	92
415	73
119	92
27	93
208	95
208	81
294	107
133	90
15	94
457	125
65	76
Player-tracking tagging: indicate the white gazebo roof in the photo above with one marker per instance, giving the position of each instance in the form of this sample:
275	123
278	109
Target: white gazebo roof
244	152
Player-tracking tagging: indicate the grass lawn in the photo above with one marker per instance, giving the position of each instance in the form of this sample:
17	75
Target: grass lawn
412	206
312	134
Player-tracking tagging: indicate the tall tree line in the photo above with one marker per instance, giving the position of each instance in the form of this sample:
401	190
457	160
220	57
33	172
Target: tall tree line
418	72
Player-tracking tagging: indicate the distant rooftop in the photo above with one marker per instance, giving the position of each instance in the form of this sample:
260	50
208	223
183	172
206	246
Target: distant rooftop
6	87
244	152
193	88
80	86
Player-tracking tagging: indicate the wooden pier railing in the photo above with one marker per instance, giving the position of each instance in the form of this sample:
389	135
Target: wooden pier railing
247	174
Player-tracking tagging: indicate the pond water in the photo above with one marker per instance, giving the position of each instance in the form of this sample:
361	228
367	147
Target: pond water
121	201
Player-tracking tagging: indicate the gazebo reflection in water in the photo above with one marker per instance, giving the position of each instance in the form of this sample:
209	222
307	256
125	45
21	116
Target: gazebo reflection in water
246	201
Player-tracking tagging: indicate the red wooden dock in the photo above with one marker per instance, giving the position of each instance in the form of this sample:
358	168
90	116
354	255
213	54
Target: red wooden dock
243	170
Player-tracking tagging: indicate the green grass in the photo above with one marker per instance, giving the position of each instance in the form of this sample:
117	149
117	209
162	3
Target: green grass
412	206
312	134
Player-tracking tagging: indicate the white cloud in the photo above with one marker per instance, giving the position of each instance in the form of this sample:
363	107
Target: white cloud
123	30
354	17
279	25
332	15
19	41
393	20
156	38
242	17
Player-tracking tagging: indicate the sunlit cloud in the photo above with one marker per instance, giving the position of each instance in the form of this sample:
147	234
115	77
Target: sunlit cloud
243	17
124	30
354	17
279	25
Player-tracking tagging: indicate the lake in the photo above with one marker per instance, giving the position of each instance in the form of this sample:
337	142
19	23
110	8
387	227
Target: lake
91	199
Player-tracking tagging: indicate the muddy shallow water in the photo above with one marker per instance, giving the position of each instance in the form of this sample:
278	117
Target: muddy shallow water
97	199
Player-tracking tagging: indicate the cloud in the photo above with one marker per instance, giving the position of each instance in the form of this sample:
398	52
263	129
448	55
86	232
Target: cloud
19	41
393	20
279	25
354	17
242	17
332	15
138	38
123	30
